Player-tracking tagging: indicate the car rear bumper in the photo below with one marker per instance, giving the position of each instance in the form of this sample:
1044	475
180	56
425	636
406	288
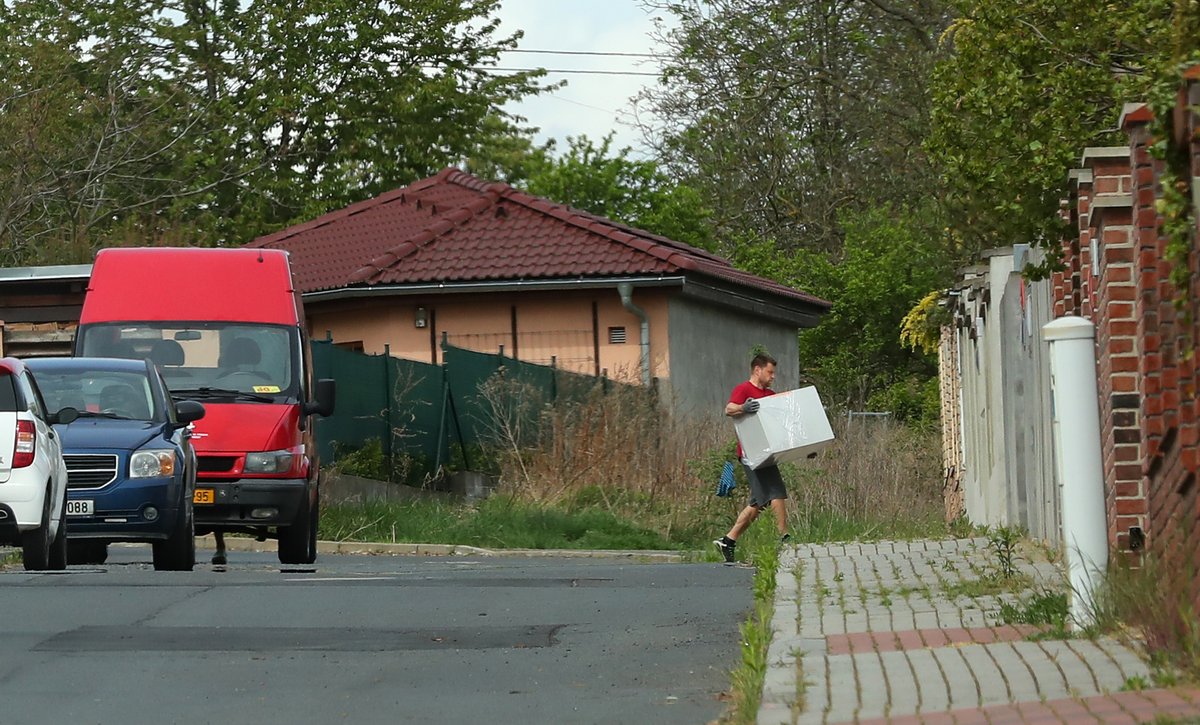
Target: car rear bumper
251	502
23	504
10	532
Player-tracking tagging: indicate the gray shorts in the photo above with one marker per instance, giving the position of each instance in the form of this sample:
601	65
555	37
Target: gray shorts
766	485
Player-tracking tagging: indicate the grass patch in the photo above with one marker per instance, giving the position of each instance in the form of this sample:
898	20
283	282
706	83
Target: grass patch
498	522
1047	608
987	586
746	680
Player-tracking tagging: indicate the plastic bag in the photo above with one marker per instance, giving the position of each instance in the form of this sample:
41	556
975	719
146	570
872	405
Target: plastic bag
726	484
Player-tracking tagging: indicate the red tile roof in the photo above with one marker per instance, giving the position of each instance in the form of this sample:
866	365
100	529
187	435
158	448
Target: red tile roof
455	227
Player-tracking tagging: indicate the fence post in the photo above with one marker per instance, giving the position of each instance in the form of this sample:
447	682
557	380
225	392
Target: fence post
1076	428
441	432
387	411
553	378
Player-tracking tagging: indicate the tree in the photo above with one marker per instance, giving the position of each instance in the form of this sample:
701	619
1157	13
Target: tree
224	120
631	191
893	256
1027	86
784	114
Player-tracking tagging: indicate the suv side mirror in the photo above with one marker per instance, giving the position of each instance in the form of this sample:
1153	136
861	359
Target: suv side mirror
323	399
64	416
188	411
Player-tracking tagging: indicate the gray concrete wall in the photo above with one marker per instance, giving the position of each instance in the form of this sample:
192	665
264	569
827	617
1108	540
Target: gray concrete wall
710	353
1007	475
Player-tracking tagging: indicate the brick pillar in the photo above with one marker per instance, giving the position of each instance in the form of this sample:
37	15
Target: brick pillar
1170	404
1081	183
1110	287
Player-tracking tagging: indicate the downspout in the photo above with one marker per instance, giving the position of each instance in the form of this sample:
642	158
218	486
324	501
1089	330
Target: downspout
625	289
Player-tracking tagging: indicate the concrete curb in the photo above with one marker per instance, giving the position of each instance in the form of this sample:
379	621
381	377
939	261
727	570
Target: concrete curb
780	680
233	543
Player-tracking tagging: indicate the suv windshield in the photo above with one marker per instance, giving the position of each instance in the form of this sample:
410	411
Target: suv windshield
104	393
250	362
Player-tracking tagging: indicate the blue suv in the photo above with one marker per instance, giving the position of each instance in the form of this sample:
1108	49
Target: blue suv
131	470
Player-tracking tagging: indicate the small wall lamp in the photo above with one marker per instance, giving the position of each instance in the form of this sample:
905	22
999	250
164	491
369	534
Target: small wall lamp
421	318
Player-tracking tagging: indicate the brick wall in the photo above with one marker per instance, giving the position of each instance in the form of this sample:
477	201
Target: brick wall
1117	274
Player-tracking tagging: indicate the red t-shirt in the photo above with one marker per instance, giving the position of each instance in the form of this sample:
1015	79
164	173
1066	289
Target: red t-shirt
743	392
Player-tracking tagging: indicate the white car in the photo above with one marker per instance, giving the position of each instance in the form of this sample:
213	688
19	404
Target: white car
33	477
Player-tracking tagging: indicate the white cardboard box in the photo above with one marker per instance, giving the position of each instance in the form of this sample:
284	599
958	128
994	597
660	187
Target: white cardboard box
787	427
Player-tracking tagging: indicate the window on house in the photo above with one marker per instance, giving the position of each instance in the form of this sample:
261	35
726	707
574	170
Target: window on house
352	345
616	336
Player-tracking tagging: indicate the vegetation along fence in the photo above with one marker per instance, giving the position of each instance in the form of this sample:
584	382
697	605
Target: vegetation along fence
428	417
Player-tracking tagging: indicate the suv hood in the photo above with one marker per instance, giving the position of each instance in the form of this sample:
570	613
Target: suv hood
107	433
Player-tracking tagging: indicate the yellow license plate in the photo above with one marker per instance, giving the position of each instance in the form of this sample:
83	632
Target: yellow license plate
203	495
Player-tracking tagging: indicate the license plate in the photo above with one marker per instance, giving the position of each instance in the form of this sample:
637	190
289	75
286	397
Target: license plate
80	507
203	495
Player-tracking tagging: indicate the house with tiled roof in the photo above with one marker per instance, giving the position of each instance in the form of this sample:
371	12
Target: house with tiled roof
488	267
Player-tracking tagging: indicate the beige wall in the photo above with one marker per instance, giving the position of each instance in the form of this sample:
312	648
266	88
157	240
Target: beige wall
547	323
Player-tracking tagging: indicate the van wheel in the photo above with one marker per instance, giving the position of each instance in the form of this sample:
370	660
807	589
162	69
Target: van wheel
178	553
58	547
35	544
87	552
298	542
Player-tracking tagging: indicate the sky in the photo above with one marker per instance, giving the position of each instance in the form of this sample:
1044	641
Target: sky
589	104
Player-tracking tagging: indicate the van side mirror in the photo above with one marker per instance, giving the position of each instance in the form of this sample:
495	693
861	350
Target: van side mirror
323	398
188	411
64	416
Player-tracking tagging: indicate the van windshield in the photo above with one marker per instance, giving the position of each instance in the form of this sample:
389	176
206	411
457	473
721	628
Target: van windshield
251	362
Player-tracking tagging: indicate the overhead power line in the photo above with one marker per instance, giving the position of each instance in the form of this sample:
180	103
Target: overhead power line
613	54
572	70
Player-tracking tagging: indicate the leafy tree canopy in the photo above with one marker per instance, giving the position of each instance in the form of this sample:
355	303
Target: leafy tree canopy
223	120
786	114
1026	86
621	188
893	257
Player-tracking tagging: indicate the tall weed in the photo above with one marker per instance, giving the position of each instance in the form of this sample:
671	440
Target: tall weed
620	451
1155	598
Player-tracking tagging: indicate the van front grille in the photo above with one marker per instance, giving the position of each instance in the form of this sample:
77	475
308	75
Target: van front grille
86	471
214	464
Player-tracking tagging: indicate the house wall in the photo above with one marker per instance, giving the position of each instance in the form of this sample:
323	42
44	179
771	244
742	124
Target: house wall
710	353
533	326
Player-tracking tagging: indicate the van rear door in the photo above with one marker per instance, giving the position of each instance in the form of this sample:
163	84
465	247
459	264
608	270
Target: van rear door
8	423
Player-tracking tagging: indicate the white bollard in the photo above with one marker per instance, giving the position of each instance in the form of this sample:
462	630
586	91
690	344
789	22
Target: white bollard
1077	458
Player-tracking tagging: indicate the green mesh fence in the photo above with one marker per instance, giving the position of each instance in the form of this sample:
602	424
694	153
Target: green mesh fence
436	415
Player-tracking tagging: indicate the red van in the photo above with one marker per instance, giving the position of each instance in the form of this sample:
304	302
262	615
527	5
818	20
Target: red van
226	328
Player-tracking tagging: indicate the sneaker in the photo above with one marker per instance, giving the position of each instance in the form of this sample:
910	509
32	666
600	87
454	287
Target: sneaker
725	546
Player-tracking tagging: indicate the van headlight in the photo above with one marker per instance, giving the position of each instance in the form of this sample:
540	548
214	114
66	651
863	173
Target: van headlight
269	462
148	464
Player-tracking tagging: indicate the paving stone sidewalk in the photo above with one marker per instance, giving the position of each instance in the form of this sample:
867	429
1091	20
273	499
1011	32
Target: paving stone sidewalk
888	632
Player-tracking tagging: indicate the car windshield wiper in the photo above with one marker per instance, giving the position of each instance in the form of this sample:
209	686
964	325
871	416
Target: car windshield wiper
207	392
94	414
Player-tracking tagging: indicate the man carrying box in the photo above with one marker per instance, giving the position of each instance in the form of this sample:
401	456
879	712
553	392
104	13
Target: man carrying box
766	483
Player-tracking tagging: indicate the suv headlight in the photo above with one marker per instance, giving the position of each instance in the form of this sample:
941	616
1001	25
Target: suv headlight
269	462
147	464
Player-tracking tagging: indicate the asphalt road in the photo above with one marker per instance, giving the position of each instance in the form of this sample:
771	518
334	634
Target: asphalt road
370	639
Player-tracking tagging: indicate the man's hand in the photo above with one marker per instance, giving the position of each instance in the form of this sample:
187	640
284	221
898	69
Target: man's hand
750	406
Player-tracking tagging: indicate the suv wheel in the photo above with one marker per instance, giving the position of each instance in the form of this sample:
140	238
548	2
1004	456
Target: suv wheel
178	553
58	547
35	544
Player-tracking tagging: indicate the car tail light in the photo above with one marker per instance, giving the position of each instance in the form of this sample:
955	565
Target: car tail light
26	444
